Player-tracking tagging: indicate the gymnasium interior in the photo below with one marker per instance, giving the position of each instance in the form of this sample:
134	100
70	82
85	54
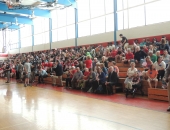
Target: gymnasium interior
46	27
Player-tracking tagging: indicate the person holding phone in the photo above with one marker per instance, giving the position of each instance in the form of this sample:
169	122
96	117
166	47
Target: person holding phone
152	76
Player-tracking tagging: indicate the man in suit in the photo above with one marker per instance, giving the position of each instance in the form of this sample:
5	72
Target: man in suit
59	72
111	81
17	71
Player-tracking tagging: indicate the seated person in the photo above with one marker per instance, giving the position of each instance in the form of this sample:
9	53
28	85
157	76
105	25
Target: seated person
130	73
139	55
82	82
70	74
163	46
115	68
100	80
166	57
158	54
129	57
76	78
91	78
119	55
145	49
152	76
143	43
113	54
111	80
104	69
153	57
42	74
134	84
160	67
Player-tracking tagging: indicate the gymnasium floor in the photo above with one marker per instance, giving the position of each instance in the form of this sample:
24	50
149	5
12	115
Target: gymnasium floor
48	108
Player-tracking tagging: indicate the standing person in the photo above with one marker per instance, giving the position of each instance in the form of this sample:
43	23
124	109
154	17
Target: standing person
7	70
167	77
27	69
59	72
88	62
17	71
20	70
124	40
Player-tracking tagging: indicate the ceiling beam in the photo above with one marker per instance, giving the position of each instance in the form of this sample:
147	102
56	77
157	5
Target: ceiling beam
9	26
37	12
15	19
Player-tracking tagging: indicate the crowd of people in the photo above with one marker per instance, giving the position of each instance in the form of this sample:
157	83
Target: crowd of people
93	68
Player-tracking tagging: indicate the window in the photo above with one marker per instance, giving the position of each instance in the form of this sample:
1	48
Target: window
119	5
125	4
156	12
146	1
14	36
96	8
71	31
54	35
109	23
46	38
54	18
25	42
120	20
70	15
38	27
136	17
45	24
109	7
132	3
98	25
83	10
62	35
125	16
84	28
26	31
38	39
61	17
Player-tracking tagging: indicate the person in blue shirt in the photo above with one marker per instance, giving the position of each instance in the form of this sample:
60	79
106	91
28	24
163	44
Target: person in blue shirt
143	43
42	74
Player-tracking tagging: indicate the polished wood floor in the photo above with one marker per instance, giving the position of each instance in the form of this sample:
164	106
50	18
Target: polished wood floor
34	108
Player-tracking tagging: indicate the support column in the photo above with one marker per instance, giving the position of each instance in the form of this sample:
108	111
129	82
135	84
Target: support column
32	29
115	21
50	32
76	26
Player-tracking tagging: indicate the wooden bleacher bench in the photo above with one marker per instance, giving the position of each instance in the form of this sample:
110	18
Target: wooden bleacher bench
159	94
48	80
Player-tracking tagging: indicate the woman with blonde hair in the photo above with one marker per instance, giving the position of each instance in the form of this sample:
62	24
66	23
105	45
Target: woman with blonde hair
130	73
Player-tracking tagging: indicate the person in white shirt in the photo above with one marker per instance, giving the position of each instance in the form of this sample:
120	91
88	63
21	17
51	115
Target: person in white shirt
160	66
130	73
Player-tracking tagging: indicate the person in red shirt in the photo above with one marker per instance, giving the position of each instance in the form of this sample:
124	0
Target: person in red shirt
113	53
70	74
145	49
129	57
88	62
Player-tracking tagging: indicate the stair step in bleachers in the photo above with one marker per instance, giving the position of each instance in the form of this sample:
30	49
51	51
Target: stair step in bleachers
158	94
